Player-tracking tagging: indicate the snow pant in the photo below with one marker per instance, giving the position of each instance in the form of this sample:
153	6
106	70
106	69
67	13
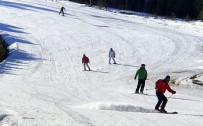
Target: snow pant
162	99
61	12
113	60
86	64
141	83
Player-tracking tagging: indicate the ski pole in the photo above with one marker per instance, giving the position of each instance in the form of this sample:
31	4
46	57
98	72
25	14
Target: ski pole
150	89
170	96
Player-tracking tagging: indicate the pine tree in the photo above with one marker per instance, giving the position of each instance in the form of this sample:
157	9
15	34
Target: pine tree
200	15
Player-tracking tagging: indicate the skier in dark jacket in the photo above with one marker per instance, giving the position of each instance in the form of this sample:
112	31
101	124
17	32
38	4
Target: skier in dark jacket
85	61
112	55
142	76
62	11
161	86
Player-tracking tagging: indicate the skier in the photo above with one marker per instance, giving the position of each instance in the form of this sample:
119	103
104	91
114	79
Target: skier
90	3
142	76
161	86
85	61
62	11
112	55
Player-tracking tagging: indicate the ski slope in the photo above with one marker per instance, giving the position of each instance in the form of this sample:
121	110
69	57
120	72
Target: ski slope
42	82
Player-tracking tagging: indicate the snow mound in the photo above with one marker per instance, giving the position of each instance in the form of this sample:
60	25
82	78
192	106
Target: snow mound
193	81
6	119
13	47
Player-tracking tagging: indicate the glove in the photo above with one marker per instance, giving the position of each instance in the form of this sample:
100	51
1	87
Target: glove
173	92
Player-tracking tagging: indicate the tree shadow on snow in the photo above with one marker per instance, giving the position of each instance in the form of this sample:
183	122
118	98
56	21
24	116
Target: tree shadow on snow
112	18
24	6
15	61
16	58
10	39
37	3
10	28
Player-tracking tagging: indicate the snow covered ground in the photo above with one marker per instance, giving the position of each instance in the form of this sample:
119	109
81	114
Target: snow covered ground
42	82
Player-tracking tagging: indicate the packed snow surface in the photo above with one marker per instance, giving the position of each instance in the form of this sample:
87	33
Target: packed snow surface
43	83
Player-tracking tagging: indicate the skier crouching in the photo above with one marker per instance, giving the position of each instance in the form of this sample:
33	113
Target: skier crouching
161	86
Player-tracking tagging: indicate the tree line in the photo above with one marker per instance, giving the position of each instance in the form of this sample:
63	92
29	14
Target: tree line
3	49
191	9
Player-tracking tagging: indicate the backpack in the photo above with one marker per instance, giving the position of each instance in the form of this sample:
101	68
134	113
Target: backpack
156	84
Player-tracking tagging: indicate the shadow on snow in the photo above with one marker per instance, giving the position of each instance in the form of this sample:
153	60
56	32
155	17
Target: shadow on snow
16	61
192	115
10	39
17	58
10	28
24	6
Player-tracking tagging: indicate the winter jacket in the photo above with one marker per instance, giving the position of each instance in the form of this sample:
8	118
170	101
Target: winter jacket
141	73
85	59
63	8
112	53
161	86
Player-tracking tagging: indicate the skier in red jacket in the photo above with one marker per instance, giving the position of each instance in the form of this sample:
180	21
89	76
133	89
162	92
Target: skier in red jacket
85	61
161	86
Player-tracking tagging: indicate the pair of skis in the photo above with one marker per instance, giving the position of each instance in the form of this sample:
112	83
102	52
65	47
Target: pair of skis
156	111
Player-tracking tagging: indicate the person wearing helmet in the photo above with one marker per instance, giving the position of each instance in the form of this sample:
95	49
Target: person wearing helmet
85	62
161	86
142	76
62	11
112	56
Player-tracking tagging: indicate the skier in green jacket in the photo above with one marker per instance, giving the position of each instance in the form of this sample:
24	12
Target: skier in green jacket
142	76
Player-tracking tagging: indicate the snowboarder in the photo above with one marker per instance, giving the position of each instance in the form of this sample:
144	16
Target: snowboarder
85	61
112	55
142	76
62	11
161	86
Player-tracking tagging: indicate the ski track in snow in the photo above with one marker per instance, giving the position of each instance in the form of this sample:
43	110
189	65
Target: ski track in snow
43	82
